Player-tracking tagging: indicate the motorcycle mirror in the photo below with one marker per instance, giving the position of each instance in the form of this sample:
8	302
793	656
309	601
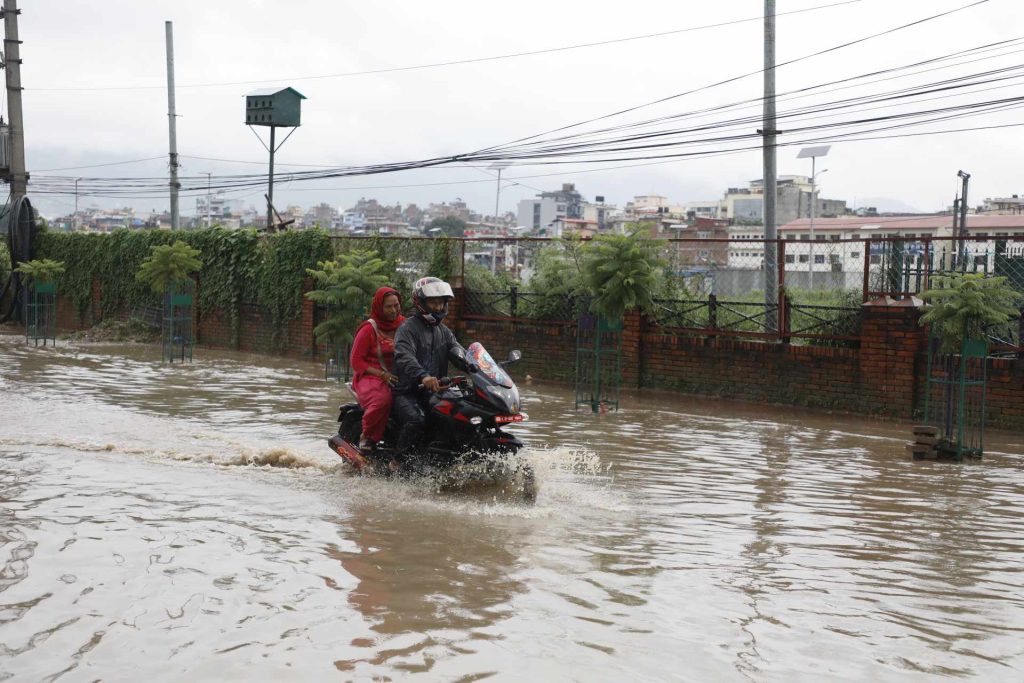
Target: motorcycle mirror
514	355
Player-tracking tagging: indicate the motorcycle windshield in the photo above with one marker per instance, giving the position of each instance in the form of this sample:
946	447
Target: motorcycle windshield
494	372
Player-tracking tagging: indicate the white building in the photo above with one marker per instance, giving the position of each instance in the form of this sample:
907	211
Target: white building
218	206
839	245
704	209
746	246
353	220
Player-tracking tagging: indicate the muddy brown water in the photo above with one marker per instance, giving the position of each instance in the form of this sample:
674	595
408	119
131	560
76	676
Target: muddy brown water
188	522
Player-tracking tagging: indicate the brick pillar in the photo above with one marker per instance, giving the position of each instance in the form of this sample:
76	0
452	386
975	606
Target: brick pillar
891	339
632	347
455	307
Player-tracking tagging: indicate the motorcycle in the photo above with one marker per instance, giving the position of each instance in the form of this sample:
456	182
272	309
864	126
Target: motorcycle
464	438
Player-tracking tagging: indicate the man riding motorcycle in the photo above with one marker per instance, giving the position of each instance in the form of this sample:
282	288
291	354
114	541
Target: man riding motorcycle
423	348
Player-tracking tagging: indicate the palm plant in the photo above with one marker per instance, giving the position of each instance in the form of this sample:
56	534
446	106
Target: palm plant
168	266
963	304
621	271
40	270
346	288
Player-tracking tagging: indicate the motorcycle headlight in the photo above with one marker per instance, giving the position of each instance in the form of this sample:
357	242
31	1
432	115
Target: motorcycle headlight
475	420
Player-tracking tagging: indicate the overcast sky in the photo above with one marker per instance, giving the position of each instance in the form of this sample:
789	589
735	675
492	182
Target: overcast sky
77	52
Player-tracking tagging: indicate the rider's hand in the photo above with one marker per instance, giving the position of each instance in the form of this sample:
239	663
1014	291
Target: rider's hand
432	383
390	380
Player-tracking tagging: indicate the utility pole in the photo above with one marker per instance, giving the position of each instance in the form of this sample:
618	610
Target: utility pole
12	63
963	219
499	166
270	184
209	200
75	222
771	277
172	124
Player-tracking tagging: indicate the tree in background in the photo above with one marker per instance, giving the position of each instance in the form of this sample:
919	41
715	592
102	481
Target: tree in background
347	287
169	265
963	304
40	270
621	272
449	226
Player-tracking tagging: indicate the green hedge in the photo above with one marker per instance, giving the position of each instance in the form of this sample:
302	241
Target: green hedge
238	266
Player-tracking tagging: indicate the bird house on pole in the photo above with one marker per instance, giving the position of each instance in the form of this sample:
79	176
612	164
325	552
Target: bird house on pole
274	108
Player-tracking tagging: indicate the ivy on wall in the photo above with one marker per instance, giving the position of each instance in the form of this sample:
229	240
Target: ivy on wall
239	266
284	259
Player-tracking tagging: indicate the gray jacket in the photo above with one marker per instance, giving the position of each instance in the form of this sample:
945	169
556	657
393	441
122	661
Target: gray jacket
422	350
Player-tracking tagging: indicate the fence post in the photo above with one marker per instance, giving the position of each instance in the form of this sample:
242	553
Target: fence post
513	297
712	311
781	270
784	316
462	261
867	268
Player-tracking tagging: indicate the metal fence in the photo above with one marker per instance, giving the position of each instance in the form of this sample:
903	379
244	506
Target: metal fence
714	286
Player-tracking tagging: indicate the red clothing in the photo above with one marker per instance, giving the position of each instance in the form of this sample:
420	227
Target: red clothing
375	398
364	352
369	348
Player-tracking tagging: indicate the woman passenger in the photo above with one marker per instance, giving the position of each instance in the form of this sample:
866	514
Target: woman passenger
373	360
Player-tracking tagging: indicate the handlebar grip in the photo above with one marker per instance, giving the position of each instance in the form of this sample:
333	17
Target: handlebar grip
447	381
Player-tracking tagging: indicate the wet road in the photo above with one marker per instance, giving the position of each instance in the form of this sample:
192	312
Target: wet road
178	522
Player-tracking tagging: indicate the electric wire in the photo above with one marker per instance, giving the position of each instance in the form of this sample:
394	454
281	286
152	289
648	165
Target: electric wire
542	152
433	65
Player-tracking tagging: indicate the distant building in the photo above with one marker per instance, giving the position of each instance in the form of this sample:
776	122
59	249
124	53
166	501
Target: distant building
599	213
745	206
325	215
704	254
353	220
457	209
218	207
647	201
703	209
848	255
1004	205
746	246
541	214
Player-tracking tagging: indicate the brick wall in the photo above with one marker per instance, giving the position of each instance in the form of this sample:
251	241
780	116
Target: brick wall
753	371
885	376
1005	407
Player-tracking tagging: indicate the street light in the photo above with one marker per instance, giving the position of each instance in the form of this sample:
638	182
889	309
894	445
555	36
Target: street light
813	153
208	200
75	221
498	166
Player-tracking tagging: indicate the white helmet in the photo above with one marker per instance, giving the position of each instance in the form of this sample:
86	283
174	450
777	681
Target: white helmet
431	288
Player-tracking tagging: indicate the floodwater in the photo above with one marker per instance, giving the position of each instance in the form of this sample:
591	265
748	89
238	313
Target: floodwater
163	523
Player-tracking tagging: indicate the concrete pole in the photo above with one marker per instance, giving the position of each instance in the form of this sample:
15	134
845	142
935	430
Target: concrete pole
74	225
172	125
963	220
270	183
810	276
12	63
771	276
208	199
497	200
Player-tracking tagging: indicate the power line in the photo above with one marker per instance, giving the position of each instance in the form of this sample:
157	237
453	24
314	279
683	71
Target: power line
546	153
433	65
112	163
746	75
661	161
